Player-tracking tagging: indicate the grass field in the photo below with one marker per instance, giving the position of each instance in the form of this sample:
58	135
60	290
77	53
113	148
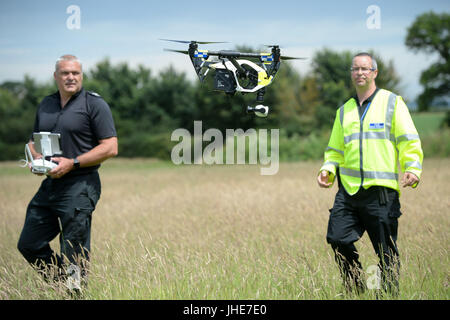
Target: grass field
225	232
433	136
428	122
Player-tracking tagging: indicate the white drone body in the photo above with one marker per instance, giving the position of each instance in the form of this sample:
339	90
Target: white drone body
232	74
263	78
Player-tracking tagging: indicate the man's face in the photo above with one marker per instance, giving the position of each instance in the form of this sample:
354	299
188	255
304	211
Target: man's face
69	77
362	75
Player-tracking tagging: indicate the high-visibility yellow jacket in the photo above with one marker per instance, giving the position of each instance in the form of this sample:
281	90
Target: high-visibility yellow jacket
367	150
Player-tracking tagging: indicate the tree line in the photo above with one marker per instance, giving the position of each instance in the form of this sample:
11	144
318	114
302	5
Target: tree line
147	108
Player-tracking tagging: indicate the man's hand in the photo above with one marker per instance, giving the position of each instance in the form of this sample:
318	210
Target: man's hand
64	166
322	179
409	180
35	157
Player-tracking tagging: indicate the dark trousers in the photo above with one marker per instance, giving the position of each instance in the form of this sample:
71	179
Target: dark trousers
376	211
60	206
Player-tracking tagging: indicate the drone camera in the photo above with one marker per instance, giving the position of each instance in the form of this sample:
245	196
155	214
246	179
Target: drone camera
259	110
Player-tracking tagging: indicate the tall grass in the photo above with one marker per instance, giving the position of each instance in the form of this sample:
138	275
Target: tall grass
224	232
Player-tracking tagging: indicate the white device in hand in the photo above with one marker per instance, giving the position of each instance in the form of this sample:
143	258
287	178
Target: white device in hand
47	144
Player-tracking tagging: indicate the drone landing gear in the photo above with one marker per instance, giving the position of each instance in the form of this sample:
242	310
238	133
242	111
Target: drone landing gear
259	110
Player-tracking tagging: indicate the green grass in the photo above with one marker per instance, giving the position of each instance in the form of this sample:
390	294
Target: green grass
433	136
428	122
225	232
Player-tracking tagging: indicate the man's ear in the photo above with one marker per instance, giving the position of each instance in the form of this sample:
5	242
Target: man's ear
375	74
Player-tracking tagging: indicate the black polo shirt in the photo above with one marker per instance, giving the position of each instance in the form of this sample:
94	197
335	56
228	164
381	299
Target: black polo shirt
362	108
84	120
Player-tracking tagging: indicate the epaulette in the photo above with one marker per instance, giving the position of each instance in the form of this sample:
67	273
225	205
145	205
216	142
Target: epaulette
95	94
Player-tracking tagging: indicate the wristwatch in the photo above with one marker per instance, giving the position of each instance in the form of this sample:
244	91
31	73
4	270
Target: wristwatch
76	163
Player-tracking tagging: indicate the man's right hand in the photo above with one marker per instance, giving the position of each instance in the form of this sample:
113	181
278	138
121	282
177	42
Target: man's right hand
322	179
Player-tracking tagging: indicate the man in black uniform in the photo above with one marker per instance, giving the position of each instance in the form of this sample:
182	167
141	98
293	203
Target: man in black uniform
67	197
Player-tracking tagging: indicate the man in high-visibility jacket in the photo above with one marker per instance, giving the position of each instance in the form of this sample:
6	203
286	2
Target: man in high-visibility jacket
372	132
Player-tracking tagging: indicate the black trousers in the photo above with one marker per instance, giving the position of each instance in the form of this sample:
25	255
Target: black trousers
60	206
376	211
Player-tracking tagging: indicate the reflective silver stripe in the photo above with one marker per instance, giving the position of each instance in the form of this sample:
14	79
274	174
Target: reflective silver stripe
388	124
337	150
369	174
336	164
390	113
350	172
353	136
415	164
378	135
368	135
341	115
374	135
380	175
407	137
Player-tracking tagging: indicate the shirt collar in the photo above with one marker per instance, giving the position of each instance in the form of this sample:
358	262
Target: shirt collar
369	99
74	96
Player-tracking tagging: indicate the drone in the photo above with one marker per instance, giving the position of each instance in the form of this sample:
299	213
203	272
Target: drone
233	74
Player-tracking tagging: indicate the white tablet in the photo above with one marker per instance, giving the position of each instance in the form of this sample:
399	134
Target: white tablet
47	143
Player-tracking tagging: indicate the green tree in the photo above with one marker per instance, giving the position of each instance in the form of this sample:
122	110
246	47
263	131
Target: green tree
145	108
18	104
284	98
430	33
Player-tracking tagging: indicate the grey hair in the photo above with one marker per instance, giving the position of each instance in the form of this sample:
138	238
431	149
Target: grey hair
67	57
365	54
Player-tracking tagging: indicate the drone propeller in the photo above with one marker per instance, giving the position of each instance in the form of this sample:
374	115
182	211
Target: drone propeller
193	41
291	58
180	51
283	57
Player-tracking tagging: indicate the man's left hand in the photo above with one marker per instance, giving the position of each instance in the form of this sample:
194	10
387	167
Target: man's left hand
64	166
409	179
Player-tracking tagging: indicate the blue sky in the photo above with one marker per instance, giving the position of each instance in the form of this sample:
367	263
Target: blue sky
33	34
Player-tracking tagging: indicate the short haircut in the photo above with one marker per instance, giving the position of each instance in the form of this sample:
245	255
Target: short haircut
365	54
67	57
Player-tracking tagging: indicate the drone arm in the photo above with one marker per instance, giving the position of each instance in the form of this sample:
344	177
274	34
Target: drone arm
202	75
240	71
199	64
273	69
275	65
